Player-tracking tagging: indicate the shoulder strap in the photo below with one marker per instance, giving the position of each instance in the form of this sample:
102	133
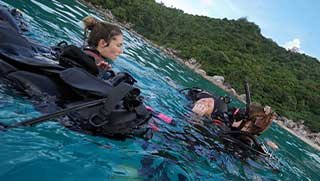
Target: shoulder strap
73	56
84	81
97	57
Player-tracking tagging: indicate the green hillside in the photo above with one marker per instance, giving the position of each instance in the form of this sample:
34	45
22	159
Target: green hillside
235	49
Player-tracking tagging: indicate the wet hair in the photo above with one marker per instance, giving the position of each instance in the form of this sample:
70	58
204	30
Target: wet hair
99	30
259	120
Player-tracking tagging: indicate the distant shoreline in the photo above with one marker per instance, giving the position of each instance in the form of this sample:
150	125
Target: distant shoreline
196	69
301	137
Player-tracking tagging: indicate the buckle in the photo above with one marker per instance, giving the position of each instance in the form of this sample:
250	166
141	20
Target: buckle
97	117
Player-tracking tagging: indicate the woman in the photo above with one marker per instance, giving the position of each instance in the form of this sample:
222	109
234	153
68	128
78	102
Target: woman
103	41
70	84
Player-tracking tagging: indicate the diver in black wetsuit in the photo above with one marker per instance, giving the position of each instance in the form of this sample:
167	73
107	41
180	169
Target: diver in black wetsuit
254	121
103	41
242	125
74	80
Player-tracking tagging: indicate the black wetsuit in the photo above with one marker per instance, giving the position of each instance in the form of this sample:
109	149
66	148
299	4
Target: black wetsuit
72	81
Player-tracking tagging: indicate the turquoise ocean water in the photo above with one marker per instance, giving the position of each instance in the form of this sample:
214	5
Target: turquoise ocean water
51	152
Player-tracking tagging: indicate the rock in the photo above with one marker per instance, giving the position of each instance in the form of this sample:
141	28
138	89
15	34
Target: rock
201	72
195	67
128	25
189	65
317	140
227	85
210	78
109	14
282	118
192	61
289	123
232	91
218	79
242	97
314	135
302	132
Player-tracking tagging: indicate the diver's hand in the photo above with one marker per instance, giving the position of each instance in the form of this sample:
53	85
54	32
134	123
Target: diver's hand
104	65
204	106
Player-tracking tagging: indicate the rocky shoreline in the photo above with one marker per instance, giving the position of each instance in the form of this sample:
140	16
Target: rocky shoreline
296	128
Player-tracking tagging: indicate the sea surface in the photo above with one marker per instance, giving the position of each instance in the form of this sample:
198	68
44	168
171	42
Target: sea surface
179	151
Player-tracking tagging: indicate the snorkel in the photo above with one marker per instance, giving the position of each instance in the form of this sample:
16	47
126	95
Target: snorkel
248	97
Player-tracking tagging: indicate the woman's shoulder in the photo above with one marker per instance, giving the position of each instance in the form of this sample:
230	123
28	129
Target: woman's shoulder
73	56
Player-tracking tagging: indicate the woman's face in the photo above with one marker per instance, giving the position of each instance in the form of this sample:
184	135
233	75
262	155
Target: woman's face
113	50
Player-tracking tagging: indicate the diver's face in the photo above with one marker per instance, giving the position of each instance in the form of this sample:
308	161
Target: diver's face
204	106
113	50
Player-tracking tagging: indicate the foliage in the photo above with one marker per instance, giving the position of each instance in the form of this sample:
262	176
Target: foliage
235	49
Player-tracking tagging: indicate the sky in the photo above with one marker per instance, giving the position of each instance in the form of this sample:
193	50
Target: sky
290	23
